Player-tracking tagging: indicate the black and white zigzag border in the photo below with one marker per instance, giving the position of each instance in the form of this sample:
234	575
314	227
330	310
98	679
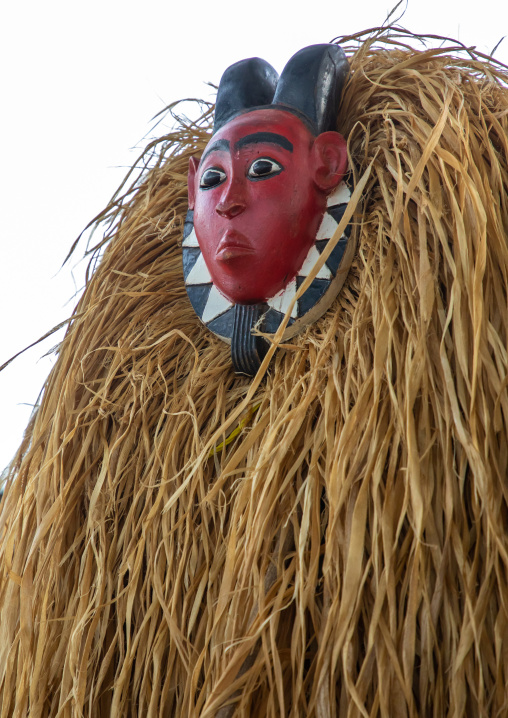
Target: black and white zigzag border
217	311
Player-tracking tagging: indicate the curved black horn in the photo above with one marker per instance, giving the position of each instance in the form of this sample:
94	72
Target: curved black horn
248	83
311	83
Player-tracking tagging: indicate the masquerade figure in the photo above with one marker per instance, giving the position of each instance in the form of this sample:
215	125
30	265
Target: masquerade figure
265	199
328	539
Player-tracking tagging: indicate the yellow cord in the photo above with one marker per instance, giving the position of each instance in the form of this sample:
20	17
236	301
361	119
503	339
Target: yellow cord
236	431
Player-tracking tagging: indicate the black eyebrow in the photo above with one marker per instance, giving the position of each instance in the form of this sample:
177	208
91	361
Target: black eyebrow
270	137
216	147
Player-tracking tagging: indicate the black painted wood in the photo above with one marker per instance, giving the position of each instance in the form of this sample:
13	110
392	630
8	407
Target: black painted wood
188	225
247	350
190	256
198	295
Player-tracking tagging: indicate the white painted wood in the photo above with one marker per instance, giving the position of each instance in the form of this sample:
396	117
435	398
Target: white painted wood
199	273
217	304
327	227
280	302
310	261
340	195
191	240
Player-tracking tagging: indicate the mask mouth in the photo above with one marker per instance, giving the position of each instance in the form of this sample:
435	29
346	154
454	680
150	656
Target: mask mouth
233	245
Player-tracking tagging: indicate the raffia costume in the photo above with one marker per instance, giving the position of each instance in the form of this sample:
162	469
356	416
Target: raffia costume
329	539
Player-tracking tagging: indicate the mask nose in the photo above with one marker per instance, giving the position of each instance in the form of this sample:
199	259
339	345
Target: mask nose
232	202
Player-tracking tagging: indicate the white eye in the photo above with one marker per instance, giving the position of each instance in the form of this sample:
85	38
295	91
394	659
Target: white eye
212	178
263	168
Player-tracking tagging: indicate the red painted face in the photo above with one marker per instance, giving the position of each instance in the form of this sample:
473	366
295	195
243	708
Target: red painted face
258	196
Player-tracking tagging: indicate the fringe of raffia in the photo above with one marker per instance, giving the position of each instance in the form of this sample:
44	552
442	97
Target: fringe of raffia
346	554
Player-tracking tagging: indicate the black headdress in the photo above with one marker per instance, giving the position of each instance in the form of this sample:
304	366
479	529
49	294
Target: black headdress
310	87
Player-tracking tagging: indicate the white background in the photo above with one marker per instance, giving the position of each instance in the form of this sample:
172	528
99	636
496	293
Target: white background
80	83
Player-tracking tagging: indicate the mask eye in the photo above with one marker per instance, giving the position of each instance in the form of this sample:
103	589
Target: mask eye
212	178
263	168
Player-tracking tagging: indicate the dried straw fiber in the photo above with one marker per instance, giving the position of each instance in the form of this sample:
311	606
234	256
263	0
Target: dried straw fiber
346	554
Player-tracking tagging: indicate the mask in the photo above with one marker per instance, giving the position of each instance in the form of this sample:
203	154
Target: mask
263	201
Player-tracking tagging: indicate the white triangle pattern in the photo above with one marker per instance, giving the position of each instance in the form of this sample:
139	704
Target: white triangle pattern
340	195
327	227
310	261
281	301
217	304
199	273
191	240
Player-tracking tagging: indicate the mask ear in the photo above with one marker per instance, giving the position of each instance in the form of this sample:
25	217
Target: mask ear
191	181
329	158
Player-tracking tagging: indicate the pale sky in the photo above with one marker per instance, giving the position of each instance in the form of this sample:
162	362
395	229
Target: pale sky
80	84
